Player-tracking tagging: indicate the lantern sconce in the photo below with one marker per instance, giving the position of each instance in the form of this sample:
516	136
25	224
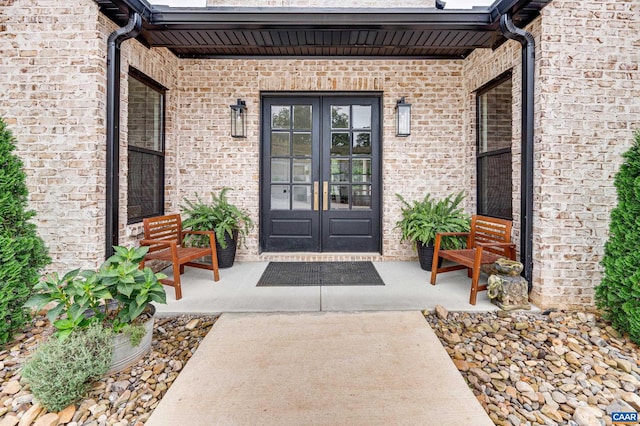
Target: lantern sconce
403	118
239	119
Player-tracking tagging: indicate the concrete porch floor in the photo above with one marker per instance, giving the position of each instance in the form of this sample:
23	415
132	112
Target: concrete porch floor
406	288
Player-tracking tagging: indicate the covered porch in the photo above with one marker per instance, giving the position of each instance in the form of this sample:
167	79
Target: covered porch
406	288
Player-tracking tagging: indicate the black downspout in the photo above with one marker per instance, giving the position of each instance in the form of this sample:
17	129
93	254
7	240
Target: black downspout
113	128
528	86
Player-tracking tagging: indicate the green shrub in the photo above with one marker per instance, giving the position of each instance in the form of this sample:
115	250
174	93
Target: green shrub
22	251
618	295
60	373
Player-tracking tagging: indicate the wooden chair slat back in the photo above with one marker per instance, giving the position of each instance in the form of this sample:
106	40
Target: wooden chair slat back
166	228
491	230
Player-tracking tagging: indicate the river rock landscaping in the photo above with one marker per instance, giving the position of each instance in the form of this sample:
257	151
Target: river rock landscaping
525	369
126	398
543	368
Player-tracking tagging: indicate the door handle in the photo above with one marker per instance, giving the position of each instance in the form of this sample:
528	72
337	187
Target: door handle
315	196
325	195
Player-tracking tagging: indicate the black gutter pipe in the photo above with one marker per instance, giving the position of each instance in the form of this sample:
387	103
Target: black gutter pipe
113	128
527	41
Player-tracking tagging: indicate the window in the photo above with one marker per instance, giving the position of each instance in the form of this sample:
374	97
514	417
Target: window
494	128
145	148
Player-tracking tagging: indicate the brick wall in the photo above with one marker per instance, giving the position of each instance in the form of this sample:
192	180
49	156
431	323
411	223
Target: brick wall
52	86
435	158
587	91
589	104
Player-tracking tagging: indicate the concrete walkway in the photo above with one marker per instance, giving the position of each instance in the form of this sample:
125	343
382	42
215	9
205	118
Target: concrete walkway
328	368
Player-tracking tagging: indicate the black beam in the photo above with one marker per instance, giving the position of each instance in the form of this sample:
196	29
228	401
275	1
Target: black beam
318	18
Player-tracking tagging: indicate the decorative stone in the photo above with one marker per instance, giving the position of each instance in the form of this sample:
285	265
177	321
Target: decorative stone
50	419
30	415
441	312
66	415
506	288
11	388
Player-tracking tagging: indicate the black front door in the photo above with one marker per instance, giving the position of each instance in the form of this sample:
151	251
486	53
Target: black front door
320	174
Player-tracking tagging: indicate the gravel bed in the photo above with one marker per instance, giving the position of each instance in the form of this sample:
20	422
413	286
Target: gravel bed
524	368
543	369
126	398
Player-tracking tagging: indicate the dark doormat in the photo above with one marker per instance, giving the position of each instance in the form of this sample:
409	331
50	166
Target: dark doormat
319	273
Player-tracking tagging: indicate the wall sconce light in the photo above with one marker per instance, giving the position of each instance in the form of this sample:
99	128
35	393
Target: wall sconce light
239	119
403	118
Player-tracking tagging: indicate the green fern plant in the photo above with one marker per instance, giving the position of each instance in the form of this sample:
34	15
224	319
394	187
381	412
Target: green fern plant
422	220
22	252
218	215
618	294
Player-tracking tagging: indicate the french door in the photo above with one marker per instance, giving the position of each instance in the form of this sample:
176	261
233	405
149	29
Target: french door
320	174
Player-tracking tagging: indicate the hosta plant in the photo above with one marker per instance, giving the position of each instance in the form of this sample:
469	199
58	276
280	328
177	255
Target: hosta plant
115	295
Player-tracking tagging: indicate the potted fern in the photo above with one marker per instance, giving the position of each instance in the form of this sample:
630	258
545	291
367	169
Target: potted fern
422	220
230	223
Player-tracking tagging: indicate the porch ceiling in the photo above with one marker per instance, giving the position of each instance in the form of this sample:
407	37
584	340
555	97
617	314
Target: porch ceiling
231	32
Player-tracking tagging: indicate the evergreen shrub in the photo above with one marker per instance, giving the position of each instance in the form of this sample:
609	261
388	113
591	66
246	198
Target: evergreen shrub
60	372
22	252
618	294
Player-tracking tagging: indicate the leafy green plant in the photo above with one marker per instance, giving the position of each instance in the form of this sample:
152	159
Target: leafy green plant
618	294
60	372
113	296
22	252
421	220
218	215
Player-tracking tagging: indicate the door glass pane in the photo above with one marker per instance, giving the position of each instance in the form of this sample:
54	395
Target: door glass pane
280	170
279	197
301	197
361	197
302	144
361	143
339	117
339	197
279	144
340	170
339	143
280	117
302	117
361	116
301	170
362	170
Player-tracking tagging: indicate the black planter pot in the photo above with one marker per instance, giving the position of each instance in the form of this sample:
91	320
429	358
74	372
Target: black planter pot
425	256
226	256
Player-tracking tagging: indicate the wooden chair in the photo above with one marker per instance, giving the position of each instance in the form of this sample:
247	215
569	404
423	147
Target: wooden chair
488	241
165	236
